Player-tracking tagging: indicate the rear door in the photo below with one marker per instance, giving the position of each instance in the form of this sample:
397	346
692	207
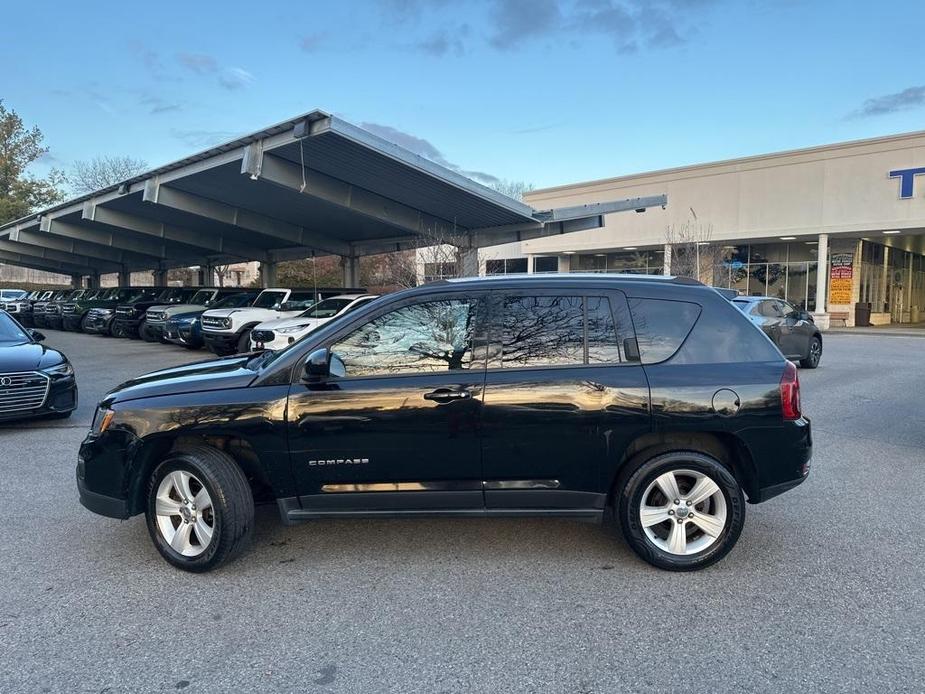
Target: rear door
561	399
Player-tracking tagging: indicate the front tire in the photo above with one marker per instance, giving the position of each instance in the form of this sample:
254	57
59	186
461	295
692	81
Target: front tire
244	342
681	510
145	334
814	356
200	509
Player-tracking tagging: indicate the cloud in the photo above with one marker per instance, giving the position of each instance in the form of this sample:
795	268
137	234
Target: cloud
441	43
235	78
426	149
909	98
156	105
516	21
204	138
310	43
198	63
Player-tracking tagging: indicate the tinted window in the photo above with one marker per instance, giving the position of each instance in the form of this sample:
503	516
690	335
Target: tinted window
422	338
542	331
326	309
603	346
661	326
269	299
723	335
770	309
10	332
203	296
236	301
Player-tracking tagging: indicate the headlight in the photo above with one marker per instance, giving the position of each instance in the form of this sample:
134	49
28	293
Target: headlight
64	369
292	329
105	311
102	418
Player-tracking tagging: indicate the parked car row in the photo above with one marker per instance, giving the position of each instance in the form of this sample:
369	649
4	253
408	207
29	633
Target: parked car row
227	320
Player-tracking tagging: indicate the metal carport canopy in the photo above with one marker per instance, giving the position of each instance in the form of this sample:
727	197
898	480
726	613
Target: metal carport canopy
313	185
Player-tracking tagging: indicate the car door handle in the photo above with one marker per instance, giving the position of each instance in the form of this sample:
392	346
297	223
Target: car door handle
446	395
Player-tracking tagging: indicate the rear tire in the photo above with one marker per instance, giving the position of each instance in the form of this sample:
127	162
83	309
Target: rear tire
83	324
192	538
709	528
814	356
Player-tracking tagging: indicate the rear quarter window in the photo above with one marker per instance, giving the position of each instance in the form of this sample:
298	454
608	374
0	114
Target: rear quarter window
661	326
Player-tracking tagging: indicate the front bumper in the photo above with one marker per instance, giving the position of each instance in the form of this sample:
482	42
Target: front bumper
221	342
128	326
104	474
53	321
182	334
157	331
98	324
61	398
71	321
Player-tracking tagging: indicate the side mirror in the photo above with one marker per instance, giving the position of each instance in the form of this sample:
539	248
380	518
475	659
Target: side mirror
317	366
37	336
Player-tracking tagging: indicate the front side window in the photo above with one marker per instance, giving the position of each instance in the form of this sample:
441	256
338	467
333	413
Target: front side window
235	301
422	338
269	299
202	297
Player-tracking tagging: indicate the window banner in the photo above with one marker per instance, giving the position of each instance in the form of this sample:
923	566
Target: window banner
841	278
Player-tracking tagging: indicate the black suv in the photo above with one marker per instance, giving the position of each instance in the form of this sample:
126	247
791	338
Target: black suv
129	320
652	399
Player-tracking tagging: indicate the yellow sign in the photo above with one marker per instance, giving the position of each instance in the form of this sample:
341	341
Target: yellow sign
841	278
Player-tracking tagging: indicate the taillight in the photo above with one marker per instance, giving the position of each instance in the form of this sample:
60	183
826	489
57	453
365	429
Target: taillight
790	392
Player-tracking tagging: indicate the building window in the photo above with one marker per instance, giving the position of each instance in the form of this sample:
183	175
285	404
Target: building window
546	264
439	271
505	266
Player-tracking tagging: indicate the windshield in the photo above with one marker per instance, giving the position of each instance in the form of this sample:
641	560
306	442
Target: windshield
236	301
10	332
269	299
137	295
326	309
202	297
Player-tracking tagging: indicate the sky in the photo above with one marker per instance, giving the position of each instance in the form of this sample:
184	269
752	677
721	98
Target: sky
542	91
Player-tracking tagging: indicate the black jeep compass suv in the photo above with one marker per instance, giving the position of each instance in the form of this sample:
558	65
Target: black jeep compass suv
647	398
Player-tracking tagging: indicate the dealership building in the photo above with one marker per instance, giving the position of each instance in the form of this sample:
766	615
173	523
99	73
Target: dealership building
838	230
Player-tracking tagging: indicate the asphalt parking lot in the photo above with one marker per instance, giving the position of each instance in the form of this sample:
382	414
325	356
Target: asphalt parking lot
824	591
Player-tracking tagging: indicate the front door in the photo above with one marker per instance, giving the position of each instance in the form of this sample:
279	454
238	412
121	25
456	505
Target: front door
401	429
561	399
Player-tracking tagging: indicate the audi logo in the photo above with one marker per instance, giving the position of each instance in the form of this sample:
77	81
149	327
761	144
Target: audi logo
6	381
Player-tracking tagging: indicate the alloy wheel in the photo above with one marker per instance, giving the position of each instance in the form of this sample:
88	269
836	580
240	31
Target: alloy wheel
683	512
184	513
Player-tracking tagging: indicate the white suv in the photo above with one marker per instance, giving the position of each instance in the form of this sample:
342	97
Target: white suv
227	330
276	334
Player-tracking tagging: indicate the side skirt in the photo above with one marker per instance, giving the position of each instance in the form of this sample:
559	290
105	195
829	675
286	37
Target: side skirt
292	512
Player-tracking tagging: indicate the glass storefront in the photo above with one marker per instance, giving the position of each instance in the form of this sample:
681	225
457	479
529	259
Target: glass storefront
624	262
783	270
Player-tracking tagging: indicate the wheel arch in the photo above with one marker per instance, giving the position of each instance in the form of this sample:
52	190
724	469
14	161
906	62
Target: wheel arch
152	450
727	448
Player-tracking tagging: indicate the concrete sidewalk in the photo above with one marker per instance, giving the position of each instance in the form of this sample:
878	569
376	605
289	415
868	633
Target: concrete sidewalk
894	330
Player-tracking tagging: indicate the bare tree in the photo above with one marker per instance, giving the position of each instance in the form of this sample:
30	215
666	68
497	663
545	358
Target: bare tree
89	175
513	189
693	253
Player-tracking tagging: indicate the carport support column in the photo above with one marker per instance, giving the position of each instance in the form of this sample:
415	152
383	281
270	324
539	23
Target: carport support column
468	262
160	278
351	265
77	281
206	275
93	281
125	279
268	274
820	315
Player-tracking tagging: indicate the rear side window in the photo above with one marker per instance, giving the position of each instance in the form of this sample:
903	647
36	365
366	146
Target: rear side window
661	326
539	331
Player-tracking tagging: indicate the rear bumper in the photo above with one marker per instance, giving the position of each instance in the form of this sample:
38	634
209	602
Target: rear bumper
783	462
